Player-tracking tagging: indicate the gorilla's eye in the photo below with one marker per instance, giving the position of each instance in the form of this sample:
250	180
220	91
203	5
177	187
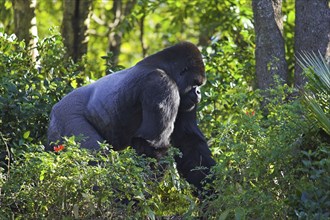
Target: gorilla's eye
198	82
184	70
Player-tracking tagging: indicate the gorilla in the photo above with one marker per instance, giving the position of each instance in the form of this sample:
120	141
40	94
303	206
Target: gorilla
149	106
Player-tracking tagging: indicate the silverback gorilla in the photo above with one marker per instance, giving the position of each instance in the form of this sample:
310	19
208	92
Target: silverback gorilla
149	106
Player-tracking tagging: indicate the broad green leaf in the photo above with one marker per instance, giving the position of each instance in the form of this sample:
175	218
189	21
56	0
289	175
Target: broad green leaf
26	135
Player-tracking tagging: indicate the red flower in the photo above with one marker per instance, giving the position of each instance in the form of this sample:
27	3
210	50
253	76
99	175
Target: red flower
250	114
58	148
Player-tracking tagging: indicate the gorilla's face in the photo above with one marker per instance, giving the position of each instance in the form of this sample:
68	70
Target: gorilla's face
190	80
190	99
190	73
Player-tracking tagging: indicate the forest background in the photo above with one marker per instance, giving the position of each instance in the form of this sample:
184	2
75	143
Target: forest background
265	108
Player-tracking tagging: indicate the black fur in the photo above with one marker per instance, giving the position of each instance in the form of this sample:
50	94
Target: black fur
196	160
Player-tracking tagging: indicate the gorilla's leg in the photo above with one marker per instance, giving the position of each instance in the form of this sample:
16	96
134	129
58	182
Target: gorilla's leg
90	135
76	126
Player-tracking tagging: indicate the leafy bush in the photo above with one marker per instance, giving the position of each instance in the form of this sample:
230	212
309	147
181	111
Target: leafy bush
314	193
315	198
272	161
227	91
261	151
64	185
256	158
30	88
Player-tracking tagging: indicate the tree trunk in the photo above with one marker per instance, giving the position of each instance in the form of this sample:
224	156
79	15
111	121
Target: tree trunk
26	23
115	35
270	51
76	14
312	31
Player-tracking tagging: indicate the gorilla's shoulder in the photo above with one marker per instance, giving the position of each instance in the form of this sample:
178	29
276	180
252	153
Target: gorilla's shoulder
156	76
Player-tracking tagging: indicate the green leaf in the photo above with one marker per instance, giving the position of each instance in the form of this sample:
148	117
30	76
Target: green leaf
239	213
26	135
307	163
42	175
224	215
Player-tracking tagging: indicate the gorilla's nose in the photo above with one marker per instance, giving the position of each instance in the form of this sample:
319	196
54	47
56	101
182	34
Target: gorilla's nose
198	94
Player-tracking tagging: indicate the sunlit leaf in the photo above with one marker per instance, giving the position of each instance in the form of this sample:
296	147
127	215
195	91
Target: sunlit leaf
26	134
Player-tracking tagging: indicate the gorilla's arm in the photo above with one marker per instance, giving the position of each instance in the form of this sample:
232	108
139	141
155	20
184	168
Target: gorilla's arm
160	102
195	151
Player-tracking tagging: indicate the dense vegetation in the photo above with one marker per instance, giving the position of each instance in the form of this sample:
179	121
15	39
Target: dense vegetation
272	152
274	155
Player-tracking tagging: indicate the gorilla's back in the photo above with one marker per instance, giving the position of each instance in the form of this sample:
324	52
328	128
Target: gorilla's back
111	106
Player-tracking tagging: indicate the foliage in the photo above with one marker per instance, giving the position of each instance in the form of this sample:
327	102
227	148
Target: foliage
262	162
314	195
66	180
228	88
317	93
64	185
272	161
154	25
29	89
288	11
110	66
6	17
266	156
49	14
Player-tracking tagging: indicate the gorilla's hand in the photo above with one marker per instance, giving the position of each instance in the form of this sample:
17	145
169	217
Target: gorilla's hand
193	146
142	147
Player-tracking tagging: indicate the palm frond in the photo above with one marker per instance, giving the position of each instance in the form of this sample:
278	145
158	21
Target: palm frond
317	70
317	93
318	113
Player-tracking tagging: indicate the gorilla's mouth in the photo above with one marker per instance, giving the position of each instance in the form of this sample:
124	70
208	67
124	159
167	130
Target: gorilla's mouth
194	100
190	109
188	105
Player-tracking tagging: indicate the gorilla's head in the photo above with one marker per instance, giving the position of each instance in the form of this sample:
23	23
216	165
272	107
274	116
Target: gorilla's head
184	64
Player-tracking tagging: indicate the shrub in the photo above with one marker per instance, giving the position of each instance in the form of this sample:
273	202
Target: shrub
272	161
266	165
317	92
38	184
314	201
64	185
29	89
262	152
